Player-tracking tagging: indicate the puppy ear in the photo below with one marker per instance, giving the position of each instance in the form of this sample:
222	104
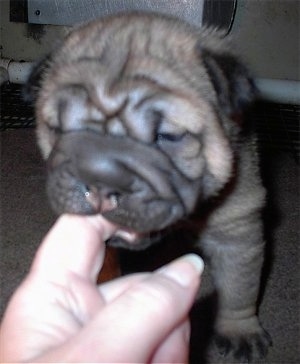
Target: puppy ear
33	83
234	87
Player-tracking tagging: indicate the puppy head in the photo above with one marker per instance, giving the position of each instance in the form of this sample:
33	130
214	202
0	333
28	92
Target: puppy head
133	120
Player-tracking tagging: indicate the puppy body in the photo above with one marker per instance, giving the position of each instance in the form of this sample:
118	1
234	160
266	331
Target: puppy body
139	119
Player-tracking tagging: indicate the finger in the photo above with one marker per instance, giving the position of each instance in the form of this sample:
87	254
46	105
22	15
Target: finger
110	290
73	246
175	348
132	326
114	288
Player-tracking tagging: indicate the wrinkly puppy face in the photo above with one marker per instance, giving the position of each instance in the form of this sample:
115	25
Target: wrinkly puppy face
134	120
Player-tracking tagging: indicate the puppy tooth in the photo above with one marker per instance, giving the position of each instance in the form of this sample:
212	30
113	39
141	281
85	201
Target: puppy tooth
129	236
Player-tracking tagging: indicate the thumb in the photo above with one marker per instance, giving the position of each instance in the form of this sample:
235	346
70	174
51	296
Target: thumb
135	324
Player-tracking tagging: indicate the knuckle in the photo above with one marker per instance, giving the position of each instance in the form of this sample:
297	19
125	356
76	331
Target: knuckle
156	296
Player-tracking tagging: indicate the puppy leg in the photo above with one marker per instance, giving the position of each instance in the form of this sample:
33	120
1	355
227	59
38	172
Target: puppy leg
236	259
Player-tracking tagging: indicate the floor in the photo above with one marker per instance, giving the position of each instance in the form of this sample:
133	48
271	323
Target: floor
26	216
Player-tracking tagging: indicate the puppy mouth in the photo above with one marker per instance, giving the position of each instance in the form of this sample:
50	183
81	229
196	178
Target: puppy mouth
123	237
128	238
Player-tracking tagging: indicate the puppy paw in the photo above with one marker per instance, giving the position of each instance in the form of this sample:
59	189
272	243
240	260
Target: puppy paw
242	345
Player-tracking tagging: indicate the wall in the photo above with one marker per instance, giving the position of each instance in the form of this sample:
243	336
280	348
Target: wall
266	33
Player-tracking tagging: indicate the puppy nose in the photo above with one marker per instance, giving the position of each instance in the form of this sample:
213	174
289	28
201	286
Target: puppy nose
106	173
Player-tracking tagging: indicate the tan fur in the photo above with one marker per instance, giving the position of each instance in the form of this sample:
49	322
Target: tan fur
121	60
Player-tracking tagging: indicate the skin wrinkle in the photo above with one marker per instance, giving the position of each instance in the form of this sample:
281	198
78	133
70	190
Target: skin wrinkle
172	163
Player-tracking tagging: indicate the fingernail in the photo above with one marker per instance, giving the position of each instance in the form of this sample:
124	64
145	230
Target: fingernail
184	270
196	261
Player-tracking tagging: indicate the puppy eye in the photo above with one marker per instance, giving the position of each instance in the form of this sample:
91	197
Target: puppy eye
169	137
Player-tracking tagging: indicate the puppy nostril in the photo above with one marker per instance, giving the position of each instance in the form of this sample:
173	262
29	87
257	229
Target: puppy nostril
86	190
92	196
114	198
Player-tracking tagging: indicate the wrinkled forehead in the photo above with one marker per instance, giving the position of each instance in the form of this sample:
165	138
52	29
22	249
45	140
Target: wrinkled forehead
149	35
133	71
119	48
88	91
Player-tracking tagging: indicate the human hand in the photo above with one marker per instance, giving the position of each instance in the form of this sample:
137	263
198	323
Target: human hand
59	314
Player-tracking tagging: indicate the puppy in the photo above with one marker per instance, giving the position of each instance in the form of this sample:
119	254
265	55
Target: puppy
139	117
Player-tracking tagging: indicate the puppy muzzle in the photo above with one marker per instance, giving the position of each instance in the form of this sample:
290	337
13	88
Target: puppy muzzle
132	184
